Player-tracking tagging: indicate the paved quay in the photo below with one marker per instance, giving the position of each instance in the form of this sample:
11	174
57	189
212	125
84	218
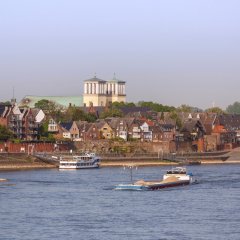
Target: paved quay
15	161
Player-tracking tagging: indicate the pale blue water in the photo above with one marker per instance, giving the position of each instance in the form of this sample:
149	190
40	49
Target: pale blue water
75	204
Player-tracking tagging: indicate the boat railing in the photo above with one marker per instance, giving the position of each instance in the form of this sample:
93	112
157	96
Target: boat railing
177	170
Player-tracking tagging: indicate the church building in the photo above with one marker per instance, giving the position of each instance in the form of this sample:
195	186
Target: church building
98	92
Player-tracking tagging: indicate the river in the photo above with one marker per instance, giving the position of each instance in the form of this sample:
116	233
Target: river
80	204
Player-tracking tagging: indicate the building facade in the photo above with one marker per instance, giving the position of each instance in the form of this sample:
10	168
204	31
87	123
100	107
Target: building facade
98	92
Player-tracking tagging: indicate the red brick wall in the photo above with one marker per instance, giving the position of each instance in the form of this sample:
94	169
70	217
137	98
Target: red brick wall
25	147
3	121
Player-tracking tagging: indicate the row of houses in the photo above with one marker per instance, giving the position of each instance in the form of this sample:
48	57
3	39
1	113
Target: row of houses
126	129
201	131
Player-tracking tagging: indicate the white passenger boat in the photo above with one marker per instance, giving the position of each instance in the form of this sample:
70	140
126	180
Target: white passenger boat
86	160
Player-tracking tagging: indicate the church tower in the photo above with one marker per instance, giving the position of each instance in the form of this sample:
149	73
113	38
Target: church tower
98	92
116	90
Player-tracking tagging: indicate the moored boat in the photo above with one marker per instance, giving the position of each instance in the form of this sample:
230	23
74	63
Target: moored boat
86	160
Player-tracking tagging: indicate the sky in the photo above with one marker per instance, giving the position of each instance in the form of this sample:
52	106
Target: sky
171	52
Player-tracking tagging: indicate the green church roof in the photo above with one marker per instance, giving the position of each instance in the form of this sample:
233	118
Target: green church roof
64	101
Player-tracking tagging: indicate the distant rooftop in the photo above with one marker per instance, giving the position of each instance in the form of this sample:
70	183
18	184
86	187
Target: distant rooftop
95	79
64	101
113	80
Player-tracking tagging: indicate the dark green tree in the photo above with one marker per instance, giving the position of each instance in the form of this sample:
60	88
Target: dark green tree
234	108
112	112
156	106
122	104
49	107
5	134
44	134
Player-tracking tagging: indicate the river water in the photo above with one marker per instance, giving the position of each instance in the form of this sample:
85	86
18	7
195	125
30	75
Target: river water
80	204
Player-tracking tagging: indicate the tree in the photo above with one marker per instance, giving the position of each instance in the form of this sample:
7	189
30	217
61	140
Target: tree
122	104
174	116
184	108
156	106
49	107
112	112
188	109
44	134
78	114
42	104
5	134
234	108
90	117
215	110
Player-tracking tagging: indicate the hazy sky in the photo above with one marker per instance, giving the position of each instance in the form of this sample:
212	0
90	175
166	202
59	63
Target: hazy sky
168	51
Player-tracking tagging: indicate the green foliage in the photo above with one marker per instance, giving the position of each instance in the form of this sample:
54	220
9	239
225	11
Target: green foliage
90	117
122	104
42	104
215	110
16	140
74	114
49	107
188	109
184	108
162	116
5	134
112	112
78	114
44	134
6	103
156	106
131	139
117	139
175	117
43	130
234	108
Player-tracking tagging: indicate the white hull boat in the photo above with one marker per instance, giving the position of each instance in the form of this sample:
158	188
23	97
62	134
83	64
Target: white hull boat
85	161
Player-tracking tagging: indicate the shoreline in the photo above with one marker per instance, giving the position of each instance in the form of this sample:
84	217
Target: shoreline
148	164
116	164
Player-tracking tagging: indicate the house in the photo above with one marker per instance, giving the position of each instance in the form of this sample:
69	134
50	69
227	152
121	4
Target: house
22	122
120	126
87	131
30	125
193	132
65	130
106	132
74	131
168	132
227	130
146	131
163	132
135	131
157	133
52	126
